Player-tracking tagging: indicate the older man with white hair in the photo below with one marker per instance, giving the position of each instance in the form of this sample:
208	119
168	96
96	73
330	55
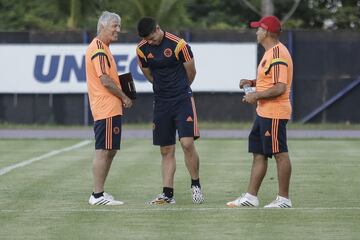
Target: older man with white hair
106	102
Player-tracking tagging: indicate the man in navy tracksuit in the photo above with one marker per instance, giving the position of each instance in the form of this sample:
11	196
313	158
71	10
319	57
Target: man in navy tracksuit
167	62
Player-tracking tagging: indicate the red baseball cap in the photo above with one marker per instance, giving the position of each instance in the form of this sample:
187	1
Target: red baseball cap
269	23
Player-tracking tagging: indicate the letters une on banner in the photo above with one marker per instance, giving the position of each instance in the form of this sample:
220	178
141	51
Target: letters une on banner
51	68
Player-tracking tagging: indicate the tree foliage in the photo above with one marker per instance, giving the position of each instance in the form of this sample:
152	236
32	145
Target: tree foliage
34	14
169	13
331	14
19	15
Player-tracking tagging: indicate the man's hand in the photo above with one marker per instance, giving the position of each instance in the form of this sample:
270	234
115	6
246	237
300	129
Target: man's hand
245	82
250	98
127	103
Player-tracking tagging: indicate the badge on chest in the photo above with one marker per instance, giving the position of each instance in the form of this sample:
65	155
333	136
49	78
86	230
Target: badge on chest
168	52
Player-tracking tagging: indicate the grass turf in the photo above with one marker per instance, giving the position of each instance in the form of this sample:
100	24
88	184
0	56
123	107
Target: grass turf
48	199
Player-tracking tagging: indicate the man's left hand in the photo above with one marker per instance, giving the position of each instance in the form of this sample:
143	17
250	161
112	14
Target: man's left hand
250	98
127	103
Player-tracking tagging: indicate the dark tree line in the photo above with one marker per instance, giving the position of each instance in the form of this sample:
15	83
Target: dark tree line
56	15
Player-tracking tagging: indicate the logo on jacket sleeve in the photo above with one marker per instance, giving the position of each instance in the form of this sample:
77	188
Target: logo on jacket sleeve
263	63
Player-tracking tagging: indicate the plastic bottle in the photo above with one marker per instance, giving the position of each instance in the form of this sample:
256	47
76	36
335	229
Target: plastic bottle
247	89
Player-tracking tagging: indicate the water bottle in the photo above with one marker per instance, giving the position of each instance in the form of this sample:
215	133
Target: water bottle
247	89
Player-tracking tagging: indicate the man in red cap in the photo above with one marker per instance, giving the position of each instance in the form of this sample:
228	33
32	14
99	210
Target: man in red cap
268	135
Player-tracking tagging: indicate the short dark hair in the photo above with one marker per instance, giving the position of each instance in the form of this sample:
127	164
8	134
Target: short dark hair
146	26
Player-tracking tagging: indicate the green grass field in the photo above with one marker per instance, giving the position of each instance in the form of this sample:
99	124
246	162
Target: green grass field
47	199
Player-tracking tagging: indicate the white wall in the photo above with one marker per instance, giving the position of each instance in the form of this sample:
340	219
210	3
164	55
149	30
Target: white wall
220	66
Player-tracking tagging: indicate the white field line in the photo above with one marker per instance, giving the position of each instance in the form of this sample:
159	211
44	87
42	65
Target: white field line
47	155
120	209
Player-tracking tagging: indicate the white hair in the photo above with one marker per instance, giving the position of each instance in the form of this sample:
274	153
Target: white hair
105	19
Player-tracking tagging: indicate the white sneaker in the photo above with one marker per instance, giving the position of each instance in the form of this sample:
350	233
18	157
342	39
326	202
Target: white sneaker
161	199
106	199
108	195
197	196
279	202
245	200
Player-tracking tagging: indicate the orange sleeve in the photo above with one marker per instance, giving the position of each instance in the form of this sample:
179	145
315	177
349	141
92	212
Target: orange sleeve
101	62
279	74
279	70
